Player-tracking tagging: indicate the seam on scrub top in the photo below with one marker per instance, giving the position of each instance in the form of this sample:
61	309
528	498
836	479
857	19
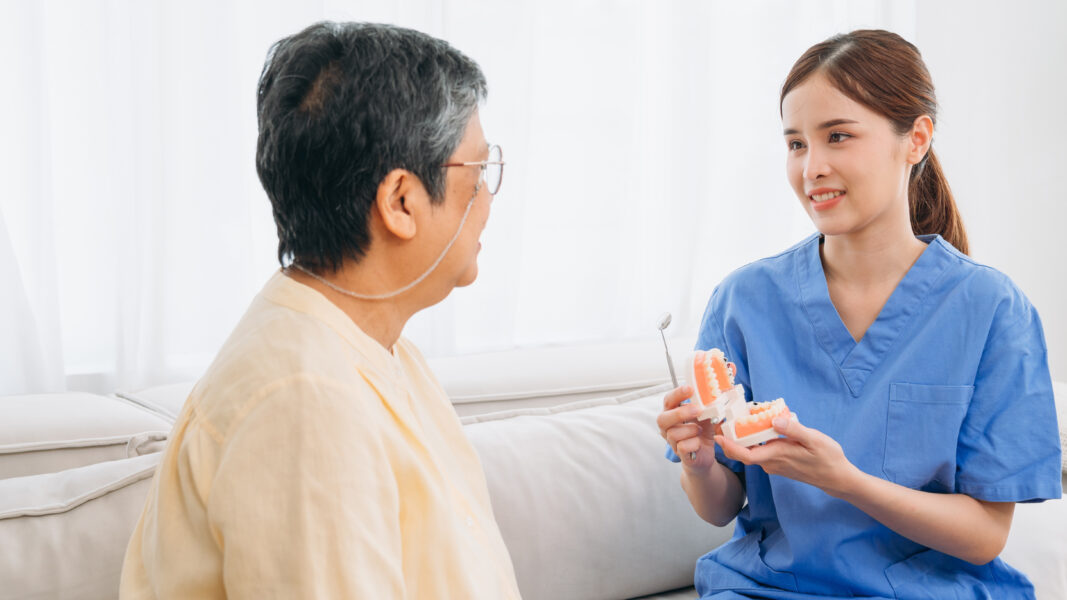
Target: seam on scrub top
811	321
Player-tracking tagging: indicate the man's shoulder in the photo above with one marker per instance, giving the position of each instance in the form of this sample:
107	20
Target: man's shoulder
276	352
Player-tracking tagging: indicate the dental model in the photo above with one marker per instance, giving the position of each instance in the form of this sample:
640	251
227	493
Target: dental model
713	380
755	427
747	423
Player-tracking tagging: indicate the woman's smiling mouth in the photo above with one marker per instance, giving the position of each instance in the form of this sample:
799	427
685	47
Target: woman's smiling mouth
824	199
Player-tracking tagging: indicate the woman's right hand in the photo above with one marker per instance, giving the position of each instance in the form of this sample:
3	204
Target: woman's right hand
679	426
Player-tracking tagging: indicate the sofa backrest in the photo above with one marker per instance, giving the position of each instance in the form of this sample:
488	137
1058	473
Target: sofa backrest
512	379
44	433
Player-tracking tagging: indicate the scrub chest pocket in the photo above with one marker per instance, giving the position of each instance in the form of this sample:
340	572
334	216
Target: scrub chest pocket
923	428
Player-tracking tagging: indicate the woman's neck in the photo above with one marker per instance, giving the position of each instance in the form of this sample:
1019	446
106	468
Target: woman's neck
870	257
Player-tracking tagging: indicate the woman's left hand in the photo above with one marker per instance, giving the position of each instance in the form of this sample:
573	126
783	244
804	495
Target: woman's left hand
805	454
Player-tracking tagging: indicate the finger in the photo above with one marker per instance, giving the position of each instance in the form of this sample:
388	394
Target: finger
688	445
676	396
682	432
675	416
707	431
769	451
733	450
792	429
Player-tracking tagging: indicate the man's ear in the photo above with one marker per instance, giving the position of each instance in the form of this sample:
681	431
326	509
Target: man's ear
919	138
399	196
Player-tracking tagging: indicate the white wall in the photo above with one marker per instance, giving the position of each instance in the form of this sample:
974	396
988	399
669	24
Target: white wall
642	138
1000	68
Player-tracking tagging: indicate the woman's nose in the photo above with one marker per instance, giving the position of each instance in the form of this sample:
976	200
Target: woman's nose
815	164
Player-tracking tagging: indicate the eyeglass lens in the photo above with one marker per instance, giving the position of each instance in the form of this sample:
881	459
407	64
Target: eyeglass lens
494	174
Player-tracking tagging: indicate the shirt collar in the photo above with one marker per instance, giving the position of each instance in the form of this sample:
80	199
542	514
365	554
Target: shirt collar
285	291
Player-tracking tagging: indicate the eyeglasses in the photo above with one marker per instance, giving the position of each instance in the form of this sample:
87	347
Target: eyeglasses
492	168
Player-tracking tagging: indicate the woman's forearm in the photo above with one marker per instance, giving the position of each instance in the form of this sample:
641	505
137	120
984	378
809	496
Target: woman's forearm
955	524
716	493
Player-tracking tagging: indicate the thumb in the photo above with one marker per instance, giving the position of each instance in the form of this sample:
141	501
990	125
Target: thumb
788	426
709	431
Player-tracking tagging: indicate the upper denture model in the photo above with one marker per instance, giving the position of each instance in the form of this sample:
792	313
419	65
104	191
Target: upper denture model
747	423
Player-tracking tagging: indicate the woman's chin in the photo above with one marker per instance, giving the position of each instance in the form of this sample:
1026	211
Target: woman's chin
830	226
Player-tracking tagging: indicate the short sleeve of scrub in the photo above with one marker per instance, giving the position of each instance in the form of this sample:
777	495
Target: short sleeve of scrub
1007	450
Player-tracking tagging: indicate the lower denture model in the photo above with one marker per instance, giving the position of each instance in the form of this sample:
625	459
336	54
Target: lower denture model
755	427
747	423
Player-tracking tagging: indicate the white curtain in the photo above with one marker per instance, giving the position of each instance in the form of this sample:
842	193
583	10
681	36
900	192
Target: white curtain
642	139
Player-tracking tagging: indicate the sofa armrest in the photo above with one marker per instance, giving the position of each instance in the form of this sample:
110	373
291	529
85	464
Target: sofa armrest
64	534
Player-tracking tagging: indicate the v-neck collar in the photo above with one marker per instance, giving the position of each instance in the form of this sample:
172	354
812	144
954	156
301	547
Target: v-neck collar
857	360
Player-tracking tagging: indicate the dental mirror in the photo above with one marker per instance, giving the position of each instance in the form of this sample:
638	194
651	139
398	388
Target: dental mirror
664	321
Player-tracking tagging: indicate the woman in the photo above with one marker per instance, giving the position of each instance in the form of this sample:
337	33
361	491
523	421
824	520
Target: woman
920	377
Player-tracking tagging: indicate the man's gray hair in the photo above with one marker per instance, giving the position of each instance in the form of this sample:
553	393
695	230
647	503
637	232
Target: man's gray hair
340	106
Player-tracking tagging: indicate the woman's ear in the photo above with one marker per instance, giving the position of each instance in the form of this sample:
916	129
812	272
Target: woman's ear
399	195
919	139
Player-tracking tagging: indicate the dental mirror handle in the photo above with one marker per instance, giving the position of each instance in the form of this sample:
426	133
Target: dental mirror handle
664	321
670	362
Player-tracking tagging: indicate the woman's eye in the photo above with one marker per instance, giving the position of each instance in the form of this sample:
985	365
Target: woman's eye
837	137
795	145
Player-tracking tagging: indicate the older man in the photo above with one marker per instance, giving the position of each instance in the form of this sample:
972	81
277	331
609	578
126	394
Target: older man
318	457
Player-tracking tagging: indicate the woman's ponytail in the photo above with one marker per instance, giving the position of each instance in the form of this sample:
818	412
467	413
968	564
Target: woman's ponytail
933	210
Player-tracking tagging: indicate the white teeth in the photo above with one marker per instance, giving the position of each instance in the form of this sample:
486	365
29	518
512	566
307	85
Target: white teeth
826	196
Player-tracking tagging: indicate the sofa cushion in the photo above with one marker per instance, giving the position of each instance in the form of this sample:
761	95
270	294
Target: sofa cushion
585	501
44	433
65	534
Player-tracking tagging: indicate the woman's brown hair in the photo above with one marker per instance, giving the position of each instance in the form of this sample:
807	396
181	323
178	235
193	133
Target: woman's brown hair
884	72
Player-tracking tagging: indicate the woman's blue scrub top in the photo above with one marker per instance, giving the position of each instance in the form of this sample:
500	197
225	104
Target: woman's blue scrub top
947	392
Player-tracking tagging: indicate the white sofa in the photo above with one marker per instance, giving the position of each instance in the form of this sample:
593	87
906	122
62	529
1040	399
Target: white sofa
587	505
